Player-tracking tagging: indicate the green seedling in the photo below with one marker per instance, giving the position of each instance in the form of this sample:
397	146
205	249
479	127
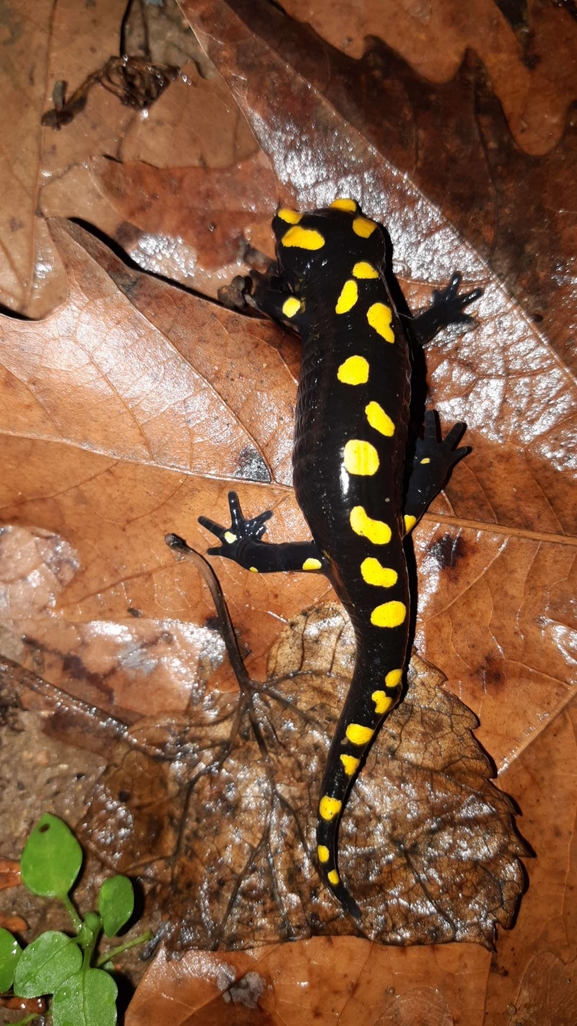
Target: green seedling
66	969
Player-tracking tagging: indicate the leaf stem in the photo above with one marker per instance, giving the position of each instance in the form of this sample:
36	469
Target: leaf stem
76	919
114	952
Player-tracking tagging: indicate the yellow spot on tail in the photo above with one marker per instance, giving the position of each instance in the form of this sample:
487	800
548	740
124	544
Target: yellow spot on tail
345	204
312	564
364	270
333	877
360	458
348	297
303	238
382	702
375	530
393	678
354	371
229	537
379	420
329	807
379	317
358	734
323	853
253	569
291	307
351	764
410	522
363	227
390	614
288	215
381	576
426	460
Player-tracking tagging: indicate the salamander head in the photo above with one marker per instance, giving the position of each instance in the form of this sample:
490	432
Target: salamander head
331	240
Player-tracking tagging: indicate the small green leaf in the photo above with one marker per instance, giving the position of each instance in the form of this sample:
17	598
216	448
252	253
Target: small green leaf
45	964
115	903
89	930
10	952
51	859
85	999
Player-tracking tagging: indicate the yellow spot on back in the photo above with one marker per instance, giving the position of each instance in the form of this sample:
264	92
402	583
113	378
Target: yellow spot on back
393	678
410	522
312	564
363	227
426	460
333	877
390	614
379	420
381	576
303	238
379	317
288	215
354	371
323	853
364	270
291	307
345	204
358	734
348	297
253	569
375	530
360	458
351	764
382	702
329	807
229	537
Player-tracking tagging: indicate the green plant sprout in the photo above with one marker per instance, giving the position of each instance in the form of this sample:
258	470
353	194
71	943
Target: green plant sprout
66	968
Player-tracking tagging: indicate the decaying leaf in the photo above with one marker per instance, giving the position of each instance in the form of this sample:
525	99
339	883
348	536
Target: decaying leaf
320	981
427	844
9	873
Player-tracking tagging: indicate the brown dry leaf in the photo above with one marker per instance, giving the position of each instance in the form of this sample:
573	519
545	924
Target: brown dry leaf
427	844
24	244
211	215
165	432
9	873
192	126
318	981
13	923
434	37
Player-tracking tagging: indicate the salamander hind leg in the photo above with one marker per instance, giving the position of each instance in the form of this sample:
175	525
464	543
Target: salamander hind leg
434	458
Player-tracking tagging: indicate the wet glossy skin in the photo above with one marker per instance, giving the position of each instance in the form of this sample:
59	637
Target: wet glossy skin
349	464
349	458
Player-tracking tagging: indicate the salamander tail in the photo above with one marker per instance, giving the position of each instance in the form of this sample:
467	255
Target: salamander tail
327	847
364	711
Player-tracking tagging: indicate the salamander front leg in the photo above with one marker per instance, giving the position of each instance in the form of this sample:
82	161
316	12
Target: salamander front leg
241	543
434	458
447	307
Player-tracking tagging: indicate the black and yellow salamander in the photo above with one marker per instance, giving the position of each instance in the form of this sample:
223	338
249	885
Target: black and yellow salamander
329	282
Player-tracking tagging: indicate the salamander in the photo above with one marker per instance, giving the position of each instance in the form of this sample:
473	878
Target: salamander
351	446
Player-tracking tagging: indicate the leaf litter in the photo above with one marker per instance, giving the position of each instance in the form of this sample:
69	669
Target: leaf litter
216	811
